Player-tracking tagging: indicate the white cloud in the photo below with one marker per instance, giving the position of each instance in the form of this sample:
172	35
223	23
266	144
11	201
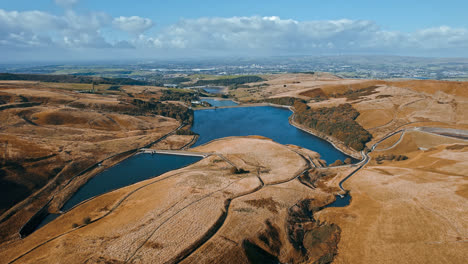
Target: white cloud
36	28
133	24
28	20
219	36
290	36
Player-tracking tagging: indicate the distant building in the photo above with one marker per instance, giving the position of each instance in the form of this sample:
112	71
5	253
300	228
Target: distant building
170	85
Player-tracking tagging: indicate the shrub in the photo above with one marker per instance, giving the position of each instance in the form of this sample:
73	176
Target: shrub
337	163
87	220
401	157
185	132
235	170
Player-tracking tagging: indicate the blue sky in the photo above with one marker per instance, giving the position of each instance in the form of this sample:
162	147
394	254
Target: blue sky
104	29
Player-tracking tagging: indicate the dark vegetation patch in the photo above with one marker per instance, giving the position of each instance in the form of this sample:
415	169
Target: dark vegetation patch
310	177
261	85
11	193
313	238
70	79
154	245
390	157
256	254
244	210
271	237
290	101
235	170
176	111
98	73
134	106
317	242
355	94
339	162
87	220
382	171
6	98
267	203
160	80
457	147
114	88
174	95
338	122
317	94
380	96
230	81
185	132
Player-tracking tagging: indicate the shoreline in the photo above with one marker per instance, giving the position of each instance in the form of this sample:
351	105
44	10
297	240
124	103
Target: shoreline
334	142
53	205
61	195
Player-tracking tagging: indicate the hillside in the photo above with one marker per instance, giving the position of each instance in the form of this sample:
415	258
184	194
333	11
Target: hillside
250	199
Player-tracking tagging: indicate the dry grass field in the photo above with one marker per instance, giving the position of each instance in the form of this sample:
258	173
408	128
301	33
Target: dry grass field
251	200
61	134
203	213
412	211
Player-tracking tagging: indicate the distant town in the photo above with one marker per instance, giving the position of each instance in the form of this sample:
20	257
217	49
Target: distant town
360	67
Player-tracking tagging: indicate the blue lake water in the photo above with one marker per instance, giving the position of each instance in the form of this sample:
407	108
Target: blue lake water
215	102
267	121
341	201
137	168
213	90
210	124
132	170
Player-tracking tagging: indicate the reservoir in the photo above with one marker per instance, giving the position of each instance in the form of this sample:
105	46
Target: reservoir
219	102
267	121
132	170
137	168
210	124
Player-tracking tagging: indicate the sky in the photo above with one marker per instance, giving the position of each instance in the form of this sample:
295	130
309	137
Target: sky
67	30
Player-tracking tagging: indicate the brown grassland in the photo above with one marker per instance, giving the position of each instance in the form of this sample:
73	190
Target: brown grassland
44	145
251	200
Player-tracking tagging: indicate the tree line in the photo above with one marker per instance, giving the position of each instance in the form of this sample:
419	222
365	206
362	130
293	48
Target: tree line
230	81
338	122
65	78
173	95
176	111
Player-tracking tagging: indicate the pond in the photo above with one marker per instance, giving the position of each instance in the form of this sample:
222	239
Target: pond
341	201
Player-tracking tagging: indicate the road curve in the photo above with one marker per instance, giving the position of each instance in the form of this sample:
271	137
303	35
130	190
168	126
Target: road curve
461	134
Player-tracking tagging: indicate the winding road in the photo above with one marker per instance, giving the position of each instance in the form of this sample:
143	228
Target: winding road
439	131
221	220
